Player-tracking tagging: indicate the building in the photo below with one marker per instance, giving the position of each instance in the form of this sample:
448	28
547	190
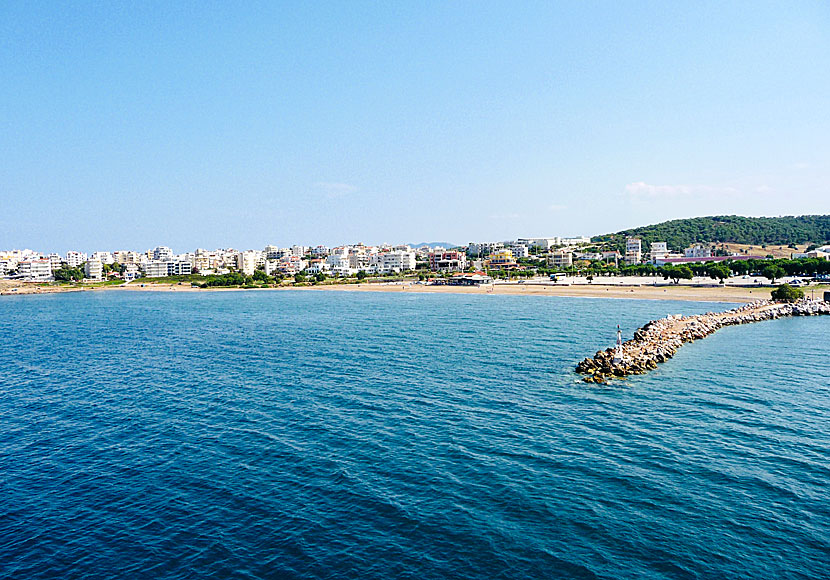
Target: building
659	250
577	241
162	254
447	261
519	250
246	262
35	270
54	261
103	257
470	279
633	251
394	261
484	248
501	260
680	260
75	259
697	251
561	259
159	269
94	269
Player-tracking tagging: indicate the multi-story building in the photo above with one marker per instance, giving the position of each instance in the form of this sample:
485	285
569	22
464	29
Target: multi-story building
447	261
162	254
501	259
519	250
633	251
659	250
160	269
103	257
246	262
94	269
698	251
576	241
339	265
75	259
54	262
544	243
481	249
393	261
38	270
561	259
202	260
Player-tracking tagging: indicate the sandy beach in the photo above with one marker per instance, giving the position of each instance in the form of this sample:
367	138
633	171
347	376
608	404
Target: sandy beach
628	289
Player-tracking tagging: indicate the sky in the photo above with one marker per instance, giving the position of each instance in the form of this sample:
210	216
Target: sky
209	124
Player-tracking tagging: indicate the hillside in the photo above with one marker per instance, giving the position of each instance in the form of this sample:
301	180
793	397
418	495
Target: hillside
735	229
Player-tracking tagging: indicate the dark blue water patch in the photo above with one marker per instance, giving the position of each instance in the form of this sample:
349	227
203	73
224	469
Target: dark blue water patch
339	435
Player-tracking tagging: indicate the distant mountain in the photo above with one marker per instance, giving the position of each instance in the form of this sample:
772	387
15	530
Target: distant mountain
433	244
728	228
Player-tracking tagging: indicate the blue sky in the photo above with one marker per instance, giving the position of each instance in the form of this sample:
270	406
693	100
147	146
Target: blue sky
217	124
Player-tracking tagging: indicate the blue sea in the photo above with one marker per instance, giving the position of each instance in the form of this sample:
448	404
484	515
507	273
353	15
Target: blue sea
296	434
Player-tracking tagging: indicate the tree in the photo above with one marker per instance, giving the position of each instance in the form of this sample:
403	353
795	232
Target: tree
787	293
319	277
299	277
773	272
361	275
677	273
718	271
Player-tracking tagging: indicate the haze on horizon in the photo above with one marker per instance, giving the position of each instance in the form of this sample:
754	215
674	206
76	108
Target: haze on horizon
128	126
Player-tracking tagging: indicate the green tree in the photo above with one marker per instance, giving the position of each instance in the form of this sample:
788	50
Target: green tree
299	277
677	273
361	275
718	271
787	293
773	272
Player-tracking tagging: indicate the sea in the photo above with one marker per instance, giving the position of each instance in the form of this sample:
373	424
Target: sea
304	434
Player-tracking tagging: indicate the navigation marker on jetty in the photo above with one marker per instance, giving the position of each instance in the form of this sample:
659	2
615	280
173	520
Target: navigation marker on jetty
618	355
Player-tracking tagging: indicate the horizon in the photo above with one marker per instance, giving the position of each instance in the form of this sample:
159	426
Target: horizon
217	126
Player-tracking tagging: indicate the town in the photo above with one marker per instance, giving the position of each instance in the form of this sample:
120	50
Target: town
473	264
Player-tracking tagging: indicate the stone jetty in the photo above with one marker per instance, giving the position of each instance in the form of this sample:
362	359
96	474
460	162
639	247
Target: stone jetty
658	340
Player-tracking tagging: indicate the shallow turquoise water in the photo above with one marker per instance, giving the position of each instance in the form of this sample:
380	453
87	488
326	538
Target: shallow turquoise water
338	435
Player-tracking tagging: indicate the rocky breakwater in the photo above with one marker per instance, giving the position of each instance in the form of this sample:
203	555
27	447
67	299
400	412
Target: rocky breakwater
658	340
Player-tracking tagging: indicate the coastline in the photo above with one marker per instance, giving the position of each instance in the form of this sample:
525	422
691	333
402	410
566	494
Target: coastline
694	293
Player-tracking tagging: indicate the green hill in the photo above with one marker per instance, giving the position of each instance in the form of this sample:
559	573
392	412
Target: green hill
682	233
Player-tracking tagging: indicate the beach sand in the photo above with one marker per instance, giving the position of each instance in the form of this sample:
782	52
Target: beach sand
700	292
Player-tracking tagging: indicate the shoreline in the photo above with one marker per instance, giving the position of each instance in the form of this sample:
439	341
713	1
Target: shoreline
689	293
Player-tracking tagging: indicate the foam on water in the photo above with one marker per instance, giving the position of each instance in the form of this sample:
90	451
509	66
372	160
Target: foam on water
339	435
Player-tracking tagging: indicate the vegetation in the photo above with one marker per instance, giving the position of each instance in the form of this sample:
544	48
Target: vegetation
67	274
787	293
773	272
735	229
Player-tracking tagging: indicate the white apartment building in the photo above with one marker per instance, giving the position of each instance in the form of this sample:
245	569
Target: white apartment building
299	251
75	259
162	254
698	251
159	269
633	251
577	241
561	259
659	250
35	270
519	250
54	261
94	269
103	257
485	248
202	260
394	261
246	262
339	265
